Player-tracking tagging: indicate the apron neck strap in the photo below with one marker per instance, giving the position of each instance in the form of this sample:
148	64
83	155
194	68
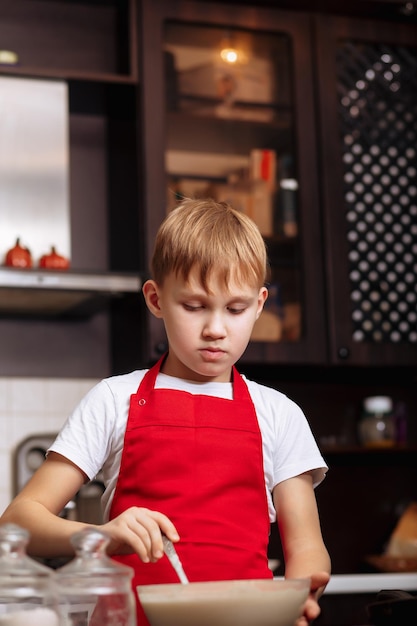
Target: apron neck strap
148	382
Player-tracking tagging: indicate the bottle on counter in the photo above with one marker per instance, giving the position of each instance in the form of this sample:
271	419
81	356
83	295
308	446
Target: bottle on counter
287	197
401	423
94	590
28	593
377	424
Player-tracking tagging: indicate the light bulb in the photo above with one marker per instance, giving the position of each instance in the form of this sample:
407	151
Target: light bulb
229	55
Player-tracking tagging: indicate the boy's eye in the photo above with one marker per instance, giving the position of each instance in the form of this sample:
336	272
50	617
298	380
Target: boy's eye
235	311
192	307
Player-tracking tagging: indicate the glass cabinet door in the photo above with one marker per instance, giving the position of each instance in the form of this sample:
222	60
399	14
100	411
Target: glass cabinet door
230	136
231	132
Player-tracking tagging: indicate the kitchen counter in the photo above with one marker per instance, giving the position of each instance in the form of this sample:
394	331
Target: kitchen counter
347	597
370	583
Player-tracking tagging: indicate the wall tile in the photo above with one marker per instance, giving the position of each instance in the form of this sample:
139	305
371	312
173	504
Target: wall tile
62	396
31	406
27	395
6	487
4	385
5	421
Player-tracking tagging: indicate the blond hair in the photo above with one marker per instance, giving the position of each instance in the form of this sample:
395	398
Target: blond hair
211	236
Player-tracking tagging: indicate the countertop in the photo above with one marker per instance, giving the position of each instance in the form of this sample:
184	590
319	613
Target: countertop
370	583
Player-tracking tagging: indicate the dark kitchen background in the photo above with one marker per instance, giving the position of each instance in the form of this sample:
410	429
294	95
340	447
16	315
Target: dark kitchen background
312	131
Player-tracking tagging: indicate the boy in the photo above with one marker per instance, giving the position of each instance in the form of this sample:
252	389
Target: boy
200	453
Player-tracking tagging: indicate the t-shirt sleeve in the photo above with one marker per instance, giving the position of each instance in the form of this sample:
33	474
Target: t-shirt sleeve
86	435
289	446
296	450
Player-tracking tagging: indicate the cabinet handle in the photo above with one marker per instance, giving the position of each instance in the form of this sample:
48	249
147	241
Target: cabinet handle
343	353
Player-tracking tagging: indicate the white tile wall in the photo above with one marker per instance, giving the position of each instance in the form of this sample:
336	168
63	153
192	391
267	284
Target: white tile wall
30	406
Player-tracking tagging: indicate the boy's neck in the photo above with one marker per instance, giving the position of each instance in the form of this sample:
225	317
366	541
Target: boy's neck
172	366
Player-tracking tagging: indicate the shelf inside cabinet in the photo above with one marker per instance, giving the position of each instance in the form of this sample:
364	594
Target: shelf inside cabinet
52	293
68	74
403	455
236	111
93	40
213	131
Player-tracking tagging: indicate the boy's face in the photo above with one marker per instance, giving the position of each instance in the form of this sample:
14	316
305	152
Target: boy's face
207	332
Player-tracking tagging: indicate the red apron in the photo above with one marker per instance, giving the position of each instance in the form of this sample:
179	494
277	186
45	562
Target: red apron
197	459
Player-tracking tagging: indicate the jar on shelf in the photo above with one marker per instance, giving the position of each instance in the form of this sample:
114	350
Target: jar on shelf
377	424
93	589
28	593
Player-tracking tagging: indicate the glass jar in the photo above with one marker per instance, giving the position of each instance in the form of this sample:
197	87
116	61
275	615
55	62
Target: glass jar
377	424
28	592
93	589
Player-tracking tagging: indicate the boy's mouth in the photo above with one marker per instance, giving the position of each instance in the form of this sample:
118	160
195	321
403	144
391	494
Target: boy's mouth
212	354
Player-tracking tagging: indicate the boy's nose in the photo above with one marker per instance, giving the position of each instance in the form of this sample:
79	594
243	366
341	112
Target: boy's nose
214	326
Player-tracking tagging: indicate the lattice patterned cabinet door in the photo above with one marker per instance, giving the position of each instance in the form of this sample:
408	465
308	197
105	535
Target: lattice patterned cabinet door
377	113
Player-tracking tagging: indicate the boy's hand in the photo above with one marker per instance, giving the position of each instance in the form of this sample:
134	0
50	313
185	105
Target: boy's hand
311	607
139	530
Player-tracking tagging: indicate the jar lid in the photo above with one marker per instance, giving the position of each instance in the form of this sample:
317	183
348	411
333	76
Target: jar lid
14	562
92	569
378	404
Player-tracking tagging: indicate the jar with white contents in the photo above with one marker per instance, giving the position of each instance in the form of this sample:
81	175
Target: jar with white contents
377	424
27	588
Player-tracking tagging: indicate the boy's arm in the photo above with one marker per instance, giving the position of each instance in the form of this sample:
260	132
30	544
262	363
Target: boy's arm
304	551
38	504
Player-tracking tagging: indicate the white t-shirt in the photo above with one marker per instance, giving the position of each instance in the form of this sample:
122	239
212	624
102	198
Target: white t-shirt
93	435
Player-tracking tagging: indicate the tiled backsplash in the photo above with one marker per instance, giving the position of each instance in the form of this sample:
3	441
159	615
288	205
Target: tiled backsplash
30	406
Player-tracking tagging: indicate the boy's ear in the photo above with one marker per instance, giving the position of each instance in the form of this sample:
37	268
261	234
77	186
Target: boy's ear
262	296
151	294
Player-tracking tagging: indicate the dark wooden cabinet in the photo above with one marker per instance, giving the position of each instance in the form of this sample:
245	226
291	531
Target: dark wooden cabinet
367	89
93	41
360	502
366	489
128	116
182	119
353	102
92	47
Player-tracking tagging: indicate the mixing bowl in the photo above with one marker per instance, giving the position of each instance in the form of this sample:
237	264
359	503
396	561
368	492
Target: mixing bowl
225	603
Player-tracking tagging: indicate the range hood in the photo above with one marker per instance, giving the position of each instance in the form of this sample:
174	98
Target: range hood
34	207
34	165
46	293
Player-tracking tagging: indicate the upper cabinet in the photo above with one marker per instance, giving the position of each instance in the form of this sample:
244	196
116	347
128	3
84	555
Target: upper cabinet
368	121
229	113
308	124
90	48
91	40
304	121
